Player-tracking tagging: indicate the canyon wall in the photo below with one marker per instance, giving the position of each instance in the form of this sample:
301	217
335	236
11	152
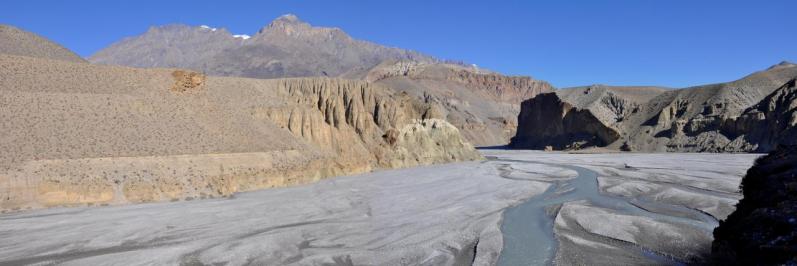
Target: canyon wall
484	105
752	114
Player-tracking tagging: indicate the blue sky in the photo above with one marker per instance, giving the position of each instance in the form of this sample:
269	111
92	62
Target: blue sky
673	43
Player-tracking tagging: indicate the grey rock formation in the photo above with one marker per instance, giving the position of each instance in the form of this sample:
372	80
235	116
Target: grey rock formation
287	47
749	114
15	41
771	122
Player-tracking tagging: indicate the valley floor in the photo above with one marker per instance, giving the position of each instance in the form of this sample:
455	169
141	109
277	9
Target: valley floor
651	208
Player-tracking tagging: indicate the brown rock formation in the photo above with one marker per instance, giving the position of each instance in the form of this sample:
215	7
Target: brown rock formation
482	104
187	80
77	134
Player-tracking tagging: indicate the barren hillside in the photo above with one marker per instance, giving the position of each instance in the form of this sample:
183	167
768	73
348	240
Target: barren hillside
78	133
19	42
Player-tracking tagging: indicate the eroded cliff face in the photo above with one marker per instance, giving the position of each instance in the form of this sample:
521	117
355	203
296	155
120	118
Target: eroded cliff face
771	122
763	229
751	114
365	125
115	135
483	105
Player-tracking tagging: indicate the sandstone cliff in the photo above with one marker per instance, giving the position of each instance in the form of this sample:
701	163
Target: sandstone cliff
763	229
749	114
482	104
78	134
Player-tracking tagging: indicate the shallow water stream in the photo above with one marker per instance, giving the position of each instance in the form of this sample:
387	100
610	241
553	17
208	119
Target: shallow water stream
528	227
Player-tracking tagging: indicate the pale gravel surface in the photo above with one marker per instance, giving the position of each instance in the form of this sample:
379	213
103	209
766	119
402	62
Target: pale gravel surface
437	215
427	215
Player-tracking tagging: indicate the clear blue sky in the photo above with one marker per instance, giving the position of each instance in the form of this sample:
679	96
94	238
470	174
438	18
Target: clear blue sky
668	42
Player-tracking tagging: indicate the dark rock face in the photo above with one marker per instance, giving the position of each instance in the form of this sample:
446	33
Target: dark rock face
546	120
763	229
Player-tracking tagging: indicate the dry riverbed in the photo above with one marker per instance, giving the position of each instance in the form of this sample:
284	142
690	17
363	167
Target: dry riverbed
435	215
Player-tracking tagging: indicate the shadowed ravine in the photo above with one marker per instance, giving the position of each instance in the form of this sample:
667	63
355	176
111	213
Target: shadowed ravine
528	228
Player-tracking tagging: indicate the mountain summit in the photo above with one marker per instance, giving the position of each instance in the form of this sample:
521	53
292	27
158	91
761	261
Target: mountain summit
782	64
286	47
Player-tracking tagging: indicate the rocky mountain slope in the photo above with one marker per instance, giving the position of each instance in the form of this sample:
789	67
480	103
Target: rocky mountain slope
482	104
763	229
711	118
19	42
287	47
77	133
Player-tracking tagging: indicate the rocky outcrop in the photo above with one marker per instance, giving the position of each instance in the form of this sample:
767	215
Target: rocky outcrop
547	122
754	113
82	134
15	41
576	118
187	80
482	104
763	229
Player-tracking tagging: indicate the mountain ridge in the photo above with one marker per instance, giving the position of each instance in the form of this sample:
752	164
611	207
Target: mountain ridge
286	47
